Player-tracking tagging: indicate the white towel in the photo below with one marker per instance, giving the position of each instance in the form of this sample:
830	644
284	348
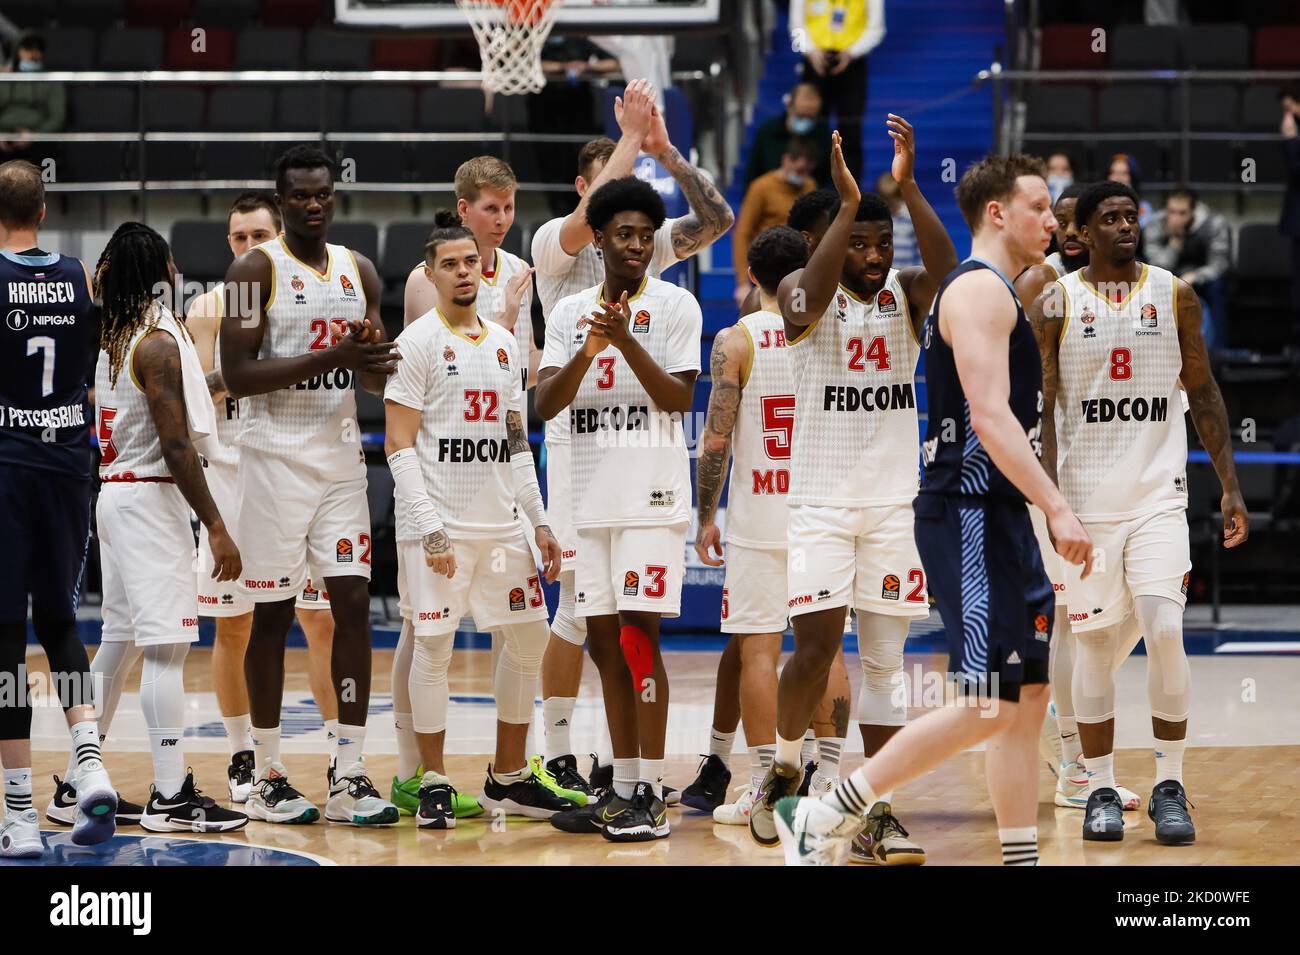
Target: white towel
200	414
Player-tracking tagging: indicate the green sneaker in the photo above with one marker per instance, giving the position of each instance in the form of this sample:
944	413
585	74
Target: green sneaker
548	780
465	806
405	793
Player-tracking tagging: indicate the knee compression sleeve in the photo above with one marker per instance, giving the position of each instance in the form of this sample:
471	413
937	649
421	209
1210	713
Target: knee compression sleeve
1093	684
16	715
113	661
430	659
1060	664
69	664
1168	672
518	668
162	685
567	625
639	654
401	671
882	698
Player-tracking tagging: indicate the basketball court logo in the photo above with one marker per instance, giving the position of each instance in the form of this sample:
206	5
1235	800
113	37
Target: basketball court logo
885	302
516	598
343	551
641	323
631	583
889	587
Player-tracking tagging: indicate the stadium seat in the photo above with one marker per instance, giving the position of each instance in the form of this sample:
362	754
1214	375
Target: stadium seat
1261	112
373	161
437	162
291	13
102	108
224	13
298	108
1137	107
1216	46
1210	160
1271	165
333	51
131	49
403	248
96	14
216	53
384	108
1138	47
28	14
163	14
173	108
1055	107
200	249
243	108
361	237
1277	48
268	49
70	48
1069	46
1215	107
404	53
1262	252
240	160
450	110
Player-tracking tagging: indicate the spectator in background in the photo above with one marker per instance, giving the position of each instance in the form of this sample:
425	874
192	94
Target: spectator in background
28	108
835	37
1289	223
1060	173
767	203
1126	169
1194	242
802	117
906	254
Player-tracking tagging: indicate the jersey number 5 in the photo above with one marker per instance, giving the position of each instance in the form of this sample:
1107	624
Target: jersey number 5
106	416
778	422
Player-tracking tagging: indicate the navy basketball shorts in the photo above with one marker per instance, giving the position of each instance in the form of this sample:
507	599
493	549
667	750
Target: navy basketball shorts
45	526
985	571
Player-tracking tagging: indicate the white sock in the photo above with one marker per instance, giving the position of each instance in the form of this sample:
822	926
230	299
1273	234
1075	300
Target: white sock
720	745
239	732
627	772
85	742
807	748
18	790
1101	772
70	774
266	747
351	741
168	759
829	749
1019	846
853	796
332	738
557	721
408	751
760	758
1068	727
514	776
1169	759
652	772
787	752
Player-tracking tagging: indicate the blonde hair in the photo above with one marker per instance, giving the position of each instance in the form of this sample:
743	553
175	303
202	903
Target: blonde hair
483	171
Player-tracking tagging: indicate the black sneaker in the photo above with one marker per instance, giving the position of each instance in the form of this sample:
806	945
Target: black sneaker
639	819
1103	817
779	782
239	775
709	791
62	807
600	777
808	771
565	771
526	797
584	819
436	810
1168	808
671	796
189	811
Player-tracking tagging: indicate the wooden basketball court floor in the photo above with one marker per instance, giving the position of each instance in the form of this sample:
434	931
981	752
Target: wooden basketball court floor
1242	768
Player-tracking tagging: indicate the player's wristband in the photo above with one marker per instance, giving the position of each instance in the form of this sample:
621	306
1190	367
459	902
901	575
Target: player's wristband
528	496
409	485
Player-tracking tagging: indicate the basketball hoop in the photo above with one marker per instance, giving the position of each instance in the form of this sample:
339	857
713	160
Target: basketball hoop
510	35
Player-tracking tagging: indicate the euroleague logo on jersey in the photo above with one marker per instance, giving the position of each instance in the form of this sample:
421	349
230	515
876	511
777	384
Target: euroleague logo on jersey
516	598
1148	320
885	302
503	359
641	323
348	290
631	583
889	587
343	551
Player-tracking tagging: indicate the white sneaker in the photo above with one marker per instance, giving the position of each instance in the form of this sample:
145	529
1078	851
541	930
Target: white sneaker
1049	741
737	813
272	799
1072	789
813	832
96	805
20	835
355	800
821	784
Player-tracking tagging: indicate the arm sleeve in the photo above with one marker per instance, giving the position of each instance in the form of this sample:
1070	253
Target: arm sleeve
407	386
684	336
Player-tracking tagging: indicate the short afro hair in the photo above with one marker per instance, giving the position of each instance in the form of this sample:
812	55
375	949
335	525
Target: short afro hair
301	157
1098	193
628	194
810	209
774	254
872	208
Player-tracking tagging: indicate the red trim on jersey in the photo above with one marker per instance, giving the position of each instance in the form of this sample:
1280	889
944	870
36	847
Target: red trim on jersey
132	479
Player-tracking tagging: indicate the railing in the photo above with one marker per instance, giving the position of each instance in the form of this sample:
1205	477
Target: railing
1009	136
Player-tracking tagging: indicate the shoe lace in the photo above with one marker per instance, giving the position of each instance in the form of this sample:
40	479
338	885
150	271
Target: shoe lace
888	825
277	789
194	794
360	785
1171	804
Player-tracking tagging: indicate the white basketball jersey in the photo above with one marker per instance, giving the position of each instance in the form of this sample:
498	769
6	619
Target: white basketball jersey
629	463
1120	437
856	436
757	512
128	437
1056	264
315	421
463	389
560	275
223	449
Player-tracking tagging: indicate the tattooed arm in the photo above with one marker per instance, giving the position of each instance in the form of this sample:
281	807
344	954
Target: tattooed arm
727	364
710	216
156	364
1209	414
1045	317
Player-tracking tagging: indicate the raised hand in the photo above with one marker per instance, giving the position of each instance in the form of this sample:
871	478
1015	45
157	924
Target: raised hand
904	165
845	184
634	110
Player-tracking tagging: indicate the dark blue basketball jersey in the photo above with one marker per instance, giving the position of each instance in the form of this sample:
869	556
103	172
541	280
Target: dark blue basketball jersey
952	459
47	342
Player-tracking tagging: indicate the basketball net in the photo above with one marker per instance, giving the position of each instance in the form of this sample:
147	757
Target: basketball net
510	35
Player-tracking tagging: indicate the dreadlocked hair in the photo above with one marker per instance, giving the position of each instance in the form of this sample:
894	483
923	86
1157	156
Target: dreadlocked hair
127	278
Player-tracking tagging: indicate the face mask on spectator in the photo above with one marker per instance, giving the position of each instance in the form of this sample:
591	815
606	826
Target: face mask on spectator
30	66
795	178
801	125
1056	185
